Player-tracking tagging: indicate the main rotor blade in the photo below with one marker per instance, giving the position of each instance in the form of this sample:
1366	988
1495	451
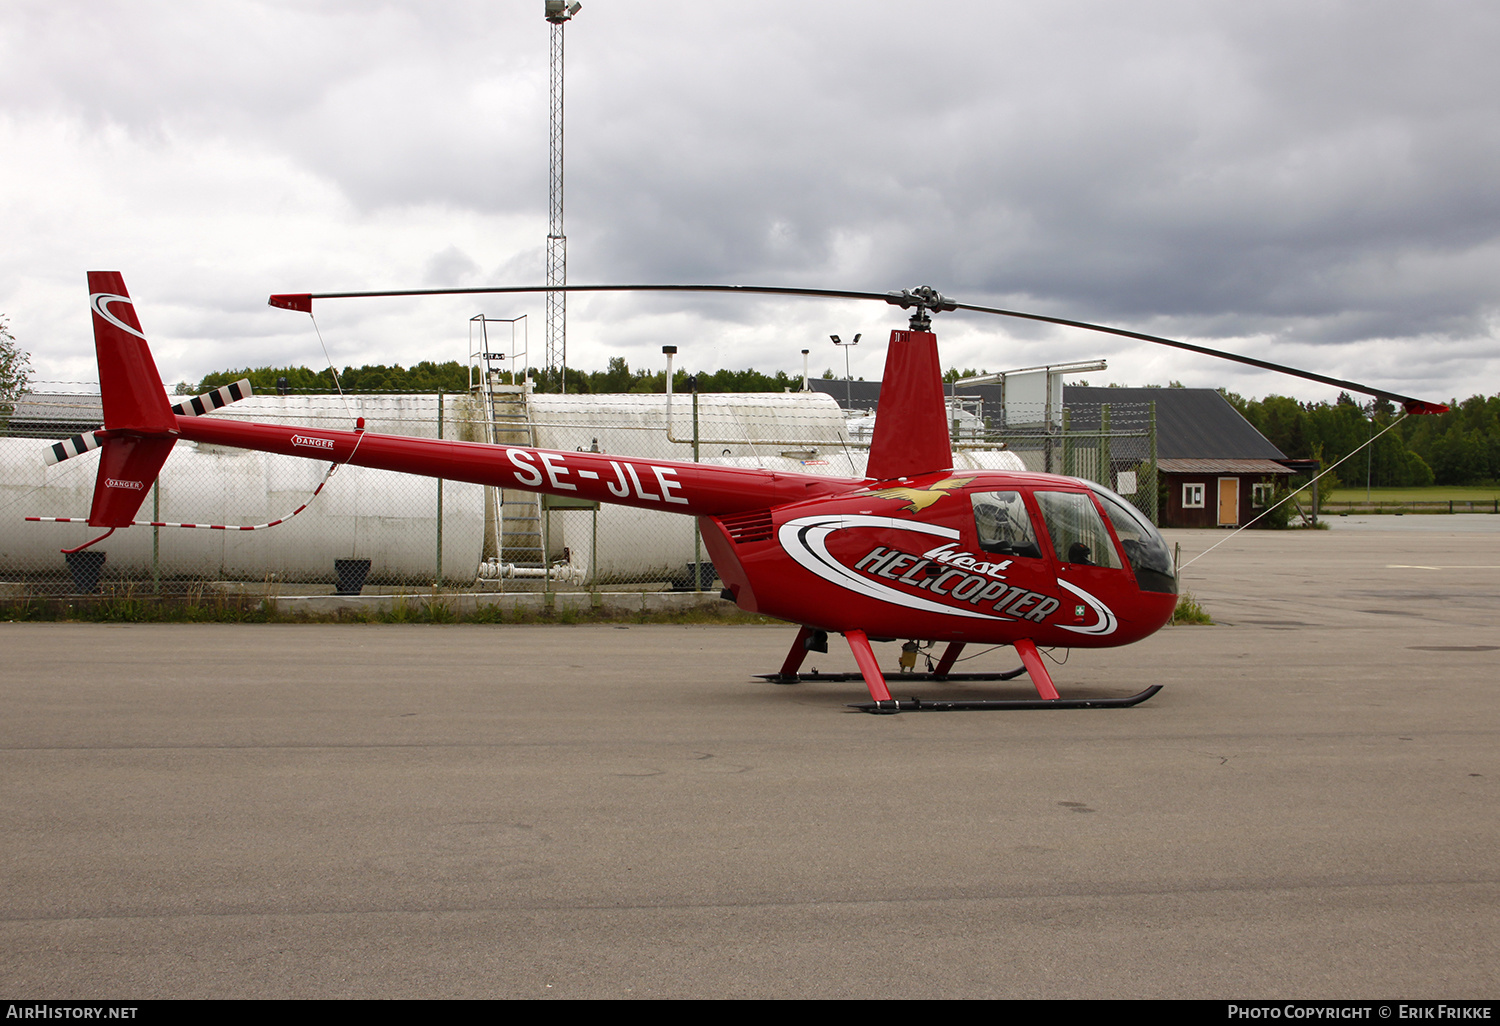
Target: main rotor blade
303	301
1411	405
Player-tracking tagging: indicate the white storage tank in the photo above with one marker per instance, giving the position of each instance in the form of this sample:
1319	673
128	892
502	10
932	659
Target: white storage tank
390	519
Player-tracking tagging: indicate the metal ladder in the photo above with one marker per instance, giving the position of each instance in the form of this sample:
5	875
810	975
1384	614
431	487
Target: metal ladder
512	517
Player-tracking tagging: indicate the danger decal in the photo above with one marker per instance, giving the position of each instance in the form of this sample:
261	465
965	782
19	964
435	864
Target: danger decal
311	442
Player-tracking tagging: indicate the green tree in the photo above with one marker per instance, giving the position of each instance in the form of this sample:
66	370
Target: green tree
424	377
617	377
15	371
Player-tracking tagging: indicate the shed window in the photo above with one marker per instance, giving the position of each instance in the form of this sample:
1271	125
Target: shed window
1192	496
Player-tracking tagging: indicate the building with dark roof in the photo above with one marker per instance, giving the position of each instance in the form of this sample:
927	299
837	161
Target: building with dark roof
851	395
54	415
1216	468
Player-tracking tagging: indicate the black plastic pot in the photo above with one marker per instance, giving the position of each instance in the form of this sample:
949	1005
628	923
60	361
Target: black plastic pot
85	567
350	574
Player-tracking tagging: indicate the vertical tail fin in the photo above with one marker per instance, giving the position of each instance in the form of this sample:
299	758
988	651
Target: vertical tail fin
134	399
911	425
139	427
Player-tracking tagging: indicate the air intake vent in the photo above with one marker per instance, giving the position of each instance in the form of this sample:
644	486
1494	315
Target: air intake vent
748	527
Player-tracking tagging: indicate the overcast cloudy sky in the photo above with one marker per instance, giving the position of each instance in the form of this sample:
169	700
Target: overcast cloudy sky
1313	183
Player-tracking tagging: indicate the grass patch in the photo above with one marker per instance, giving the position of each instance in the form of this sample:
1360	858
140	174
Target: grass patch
1476	494
413	610
409	609
1189	612
115	609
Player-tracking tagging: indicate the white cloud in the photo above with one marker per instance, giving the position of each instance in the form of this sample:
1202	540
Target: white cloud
1309	180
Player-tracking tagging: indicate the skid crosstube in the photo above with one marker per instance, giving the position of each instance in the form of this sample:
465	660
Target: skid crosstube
802	678
974	705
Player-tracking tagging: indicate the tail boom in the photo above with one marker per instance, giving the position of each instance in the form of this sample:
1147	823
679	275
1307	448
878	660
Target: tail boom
692	489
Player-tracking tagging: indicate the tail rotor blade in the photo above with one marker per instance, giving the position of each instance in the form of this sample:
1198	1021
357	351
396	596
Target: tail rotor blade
75	446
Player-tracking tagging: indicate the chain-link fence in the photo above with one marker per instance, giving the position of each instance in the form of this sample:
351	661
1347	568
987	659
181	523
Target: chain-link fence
1113	444
399	532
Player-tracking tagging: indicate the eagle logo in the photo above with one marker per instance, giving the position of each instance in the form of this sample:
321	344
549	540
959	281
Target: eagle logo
919	499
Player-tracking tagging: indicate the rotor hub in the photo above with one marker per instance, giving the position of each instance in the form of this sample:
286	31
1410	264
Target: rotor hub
927	301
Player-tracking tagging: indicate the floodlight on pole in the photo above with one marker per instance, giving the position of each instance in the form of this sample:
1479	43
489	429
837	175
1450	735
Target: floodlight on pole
848	378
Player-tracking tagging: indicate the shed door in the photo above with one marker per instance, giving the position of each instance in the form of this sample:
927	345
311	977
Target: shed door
1229	501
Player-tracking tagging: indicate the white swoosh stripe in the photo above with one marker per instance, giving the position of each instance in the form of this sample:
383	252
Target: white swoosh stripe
1107	622
100	302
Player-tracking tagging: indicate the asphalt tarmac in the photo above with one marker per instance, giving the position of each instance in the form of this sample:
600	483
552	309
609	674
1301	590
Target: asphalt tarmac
1308	810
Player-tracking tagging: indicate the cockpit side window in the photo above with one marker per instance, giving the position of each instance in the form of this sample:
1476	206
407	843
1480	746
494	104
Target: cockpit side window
1078	534
1003	525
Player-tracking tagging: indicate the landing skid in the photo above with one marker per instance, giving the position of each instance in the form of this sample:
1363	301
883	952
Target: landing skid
809	639
941	705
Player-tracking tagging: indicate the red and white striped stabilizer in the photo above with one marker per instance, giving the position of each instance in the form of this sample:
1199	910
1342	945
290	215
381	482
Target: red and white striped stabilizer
194	407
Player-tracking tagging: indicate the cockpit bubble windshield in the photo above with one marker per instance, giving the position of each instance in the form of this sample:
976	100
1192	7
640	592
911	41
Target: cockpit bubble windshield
1144	546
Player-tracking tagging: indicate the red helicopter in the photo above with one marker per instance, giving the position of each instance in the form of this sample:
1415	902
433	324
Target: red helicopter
914	550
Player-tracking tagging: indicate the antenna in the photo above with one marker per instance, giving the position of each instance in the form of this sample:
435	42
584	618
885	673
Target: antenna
558	14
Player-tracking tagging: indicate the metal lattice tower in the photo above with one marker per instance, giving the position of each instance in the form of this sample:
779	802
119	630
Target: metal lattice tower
558	13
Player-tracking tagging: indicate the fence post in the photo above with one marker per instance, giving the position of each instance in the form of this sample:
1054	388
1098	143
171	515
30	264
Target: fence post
1067	446
156	537
697	531
438	583
1155	491
1103	470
